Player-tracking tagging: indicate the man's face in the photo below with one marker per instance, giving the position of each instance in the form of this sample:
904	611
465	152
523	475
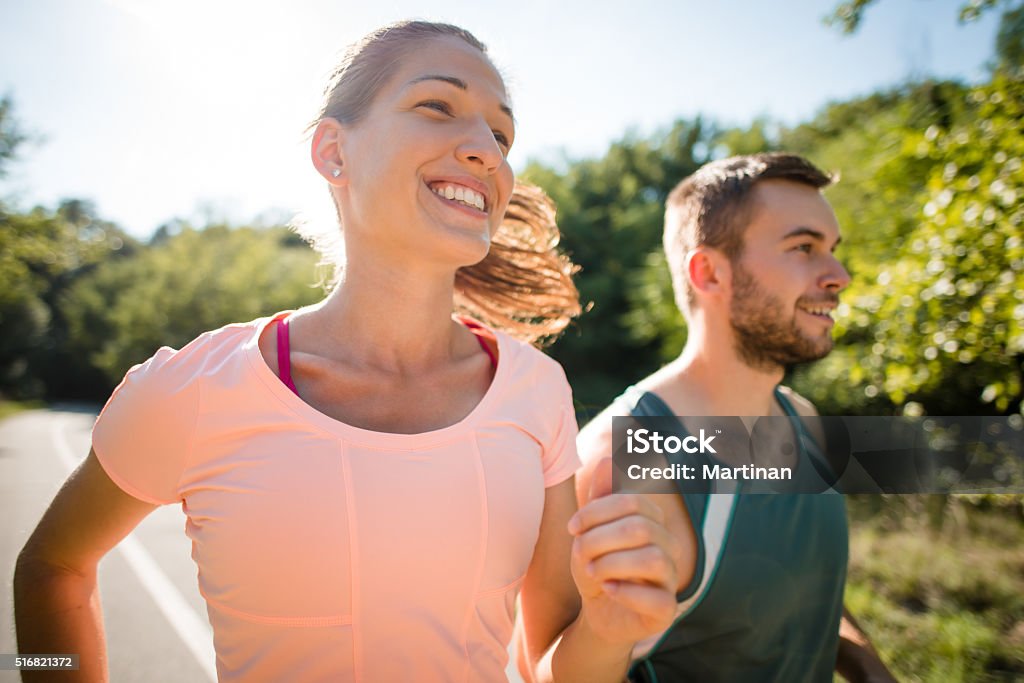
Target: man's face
786	283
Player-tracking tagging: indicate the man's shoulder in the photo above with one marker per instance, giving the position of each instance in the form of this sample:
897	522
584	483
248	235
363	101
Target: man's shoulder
805	409
594	445
801	405
595	439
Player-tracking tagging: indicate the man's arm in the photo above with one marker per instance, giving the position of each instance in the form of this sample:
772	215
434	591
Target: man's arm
857	661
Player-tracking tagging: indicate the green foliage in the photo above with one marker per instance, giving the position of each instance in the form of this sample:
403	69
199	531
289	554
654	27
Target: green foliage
1010	40
11	135
975	8
653	316
848	15
42	253
186	284
960	315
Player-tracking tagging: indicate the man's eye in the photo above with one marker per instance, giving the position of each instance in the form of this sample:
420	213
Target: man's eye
437	105
805	248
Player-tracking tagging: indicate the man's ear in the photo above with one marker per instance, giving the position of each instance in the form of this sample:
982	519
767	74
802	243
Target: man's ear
709	271
327	151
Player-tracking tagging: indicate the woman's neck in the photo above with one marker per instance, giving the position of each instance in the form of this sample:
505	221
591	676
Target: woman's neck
395	319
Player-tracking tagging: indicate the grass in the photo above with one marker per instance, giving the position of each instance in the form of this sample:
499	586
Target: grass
8	408
941	602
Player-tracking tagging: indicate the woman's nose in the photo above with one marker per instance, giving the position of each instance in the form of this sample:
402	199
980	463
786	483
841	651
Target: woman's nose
480	147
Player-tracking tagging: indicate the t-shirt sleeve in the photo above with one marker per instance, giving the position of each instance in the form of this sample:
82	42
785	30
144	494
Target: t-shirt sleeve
561	459
143	435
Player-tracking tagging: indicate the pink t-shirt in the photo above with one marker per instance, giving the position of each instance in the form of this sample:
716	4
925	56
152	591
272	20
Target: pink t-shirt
332	553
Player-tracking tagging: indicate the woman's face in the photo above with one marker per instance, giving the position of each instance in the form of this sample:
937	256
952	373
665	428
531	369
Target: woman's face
425	171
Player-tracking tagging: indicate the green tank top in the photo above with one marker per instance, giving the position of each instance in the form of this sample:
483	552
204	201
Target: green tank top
767	593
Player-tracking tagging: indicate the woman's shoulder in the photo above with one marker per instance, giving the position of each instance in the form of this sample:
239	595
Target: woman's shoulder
205	353
528	361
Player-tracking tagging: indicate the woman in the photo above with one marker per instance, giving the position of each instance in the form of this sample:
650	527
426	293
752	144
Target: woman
369	482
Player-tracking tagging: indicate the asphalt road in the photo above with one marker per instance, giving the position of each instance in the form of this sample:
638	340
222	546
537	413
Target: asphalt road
155	619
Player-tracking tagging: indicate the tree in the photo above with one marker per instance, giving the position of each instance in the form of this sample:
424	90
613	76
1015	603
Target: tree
950	306
42	253
1010	40
11	134
189	282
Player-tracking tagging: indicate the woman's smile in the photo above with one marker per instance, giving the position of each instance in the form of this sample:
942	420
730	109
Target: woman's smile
460	195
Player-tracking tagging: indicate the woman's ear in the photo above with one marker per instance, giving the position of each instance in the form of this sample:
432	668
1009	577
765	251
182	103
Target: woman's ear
327	151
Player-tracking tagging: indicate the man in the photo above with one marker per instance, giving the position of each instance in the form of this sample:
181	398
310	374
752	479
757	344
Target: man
750	244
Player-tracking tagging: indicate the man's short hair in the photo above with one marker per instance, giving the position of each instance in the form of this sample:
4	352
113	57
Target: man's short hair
711	208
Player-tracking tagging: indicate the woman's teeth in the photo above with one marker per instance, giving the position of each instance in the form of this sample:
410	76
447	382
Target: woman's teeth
463	195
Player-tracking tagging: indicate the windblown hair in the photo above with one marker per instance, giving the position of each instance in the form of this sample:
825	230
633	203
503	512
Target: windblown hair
524	284
712	208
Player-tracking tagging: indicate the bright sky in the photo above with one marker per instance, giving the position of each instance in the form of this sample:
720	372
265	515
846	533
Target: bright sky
156	109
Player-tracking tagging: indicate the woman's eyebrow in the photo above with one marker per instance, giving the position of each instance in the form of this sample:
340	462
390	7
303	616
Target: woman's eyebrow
457	82
461	85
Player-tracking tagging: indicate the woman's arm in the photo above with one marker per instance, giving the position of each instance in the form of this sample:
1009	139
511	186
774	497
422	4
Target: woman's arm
56	598
620	560
548	601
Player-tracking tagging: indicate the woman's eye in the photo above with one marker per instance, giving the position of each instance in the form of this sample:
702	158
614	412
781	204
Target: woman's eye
502	139
437	105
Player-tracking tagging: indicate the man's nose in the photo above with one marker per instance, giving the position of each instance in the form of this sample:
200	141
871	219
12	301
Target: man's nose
836	278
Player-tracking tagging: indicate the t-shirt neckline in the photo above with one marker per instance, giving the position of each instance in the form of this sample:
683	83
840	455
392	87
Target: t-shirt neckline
272	383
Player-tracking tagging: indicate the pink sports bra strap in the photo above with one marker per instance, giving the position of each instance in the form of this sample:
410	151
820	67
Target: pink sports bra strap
284	363
473	327
487	350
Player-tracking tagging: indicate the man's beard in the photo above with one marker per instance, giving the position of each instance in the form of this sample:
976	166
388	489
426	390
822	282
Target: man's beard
767	337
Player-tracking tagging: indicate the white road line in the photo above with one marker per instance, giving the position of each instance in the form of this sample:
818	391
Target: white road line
192	630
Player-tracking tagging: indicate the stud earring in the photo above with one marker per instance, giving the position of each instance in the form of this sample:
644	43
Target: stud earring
336	172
